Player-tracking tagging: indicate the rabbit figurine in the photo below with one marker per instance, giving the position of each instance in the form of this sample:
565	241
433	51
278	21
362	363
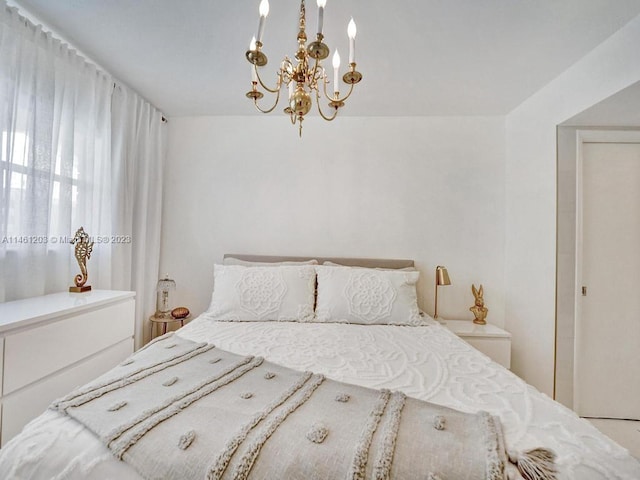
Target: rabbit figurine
478	309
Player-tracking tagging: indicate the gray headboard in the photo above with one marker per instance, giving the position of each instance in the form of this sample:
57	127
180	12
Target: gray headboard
351	262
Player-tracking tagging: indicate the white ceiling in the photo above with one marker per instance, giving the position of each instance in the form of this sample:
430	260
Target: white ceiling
418	57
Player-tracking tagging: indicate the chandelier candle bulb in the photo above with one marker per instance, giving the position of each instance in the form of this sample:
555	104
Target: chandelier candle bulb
336	69
321	5
351	32
264	11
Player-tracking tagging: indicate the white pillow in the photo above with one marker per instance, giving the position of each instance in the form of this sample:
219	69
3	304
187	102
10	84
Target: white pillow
367	296
403	269
284	293
245	263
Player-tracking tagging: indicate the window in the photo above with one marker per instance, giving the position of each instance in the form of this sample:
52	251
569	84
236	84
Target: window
28	186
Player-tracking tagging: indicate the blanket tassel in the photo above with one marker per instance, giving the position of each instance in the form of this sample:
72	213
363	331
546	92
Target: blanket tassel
536	464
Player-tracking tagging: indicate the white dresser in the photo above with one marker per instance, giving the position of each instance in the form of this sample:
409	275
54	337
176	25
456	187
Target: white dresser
51	344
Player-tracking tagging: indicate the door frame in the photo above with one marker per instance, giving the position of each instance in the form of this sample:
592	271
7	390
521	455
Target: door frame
584	137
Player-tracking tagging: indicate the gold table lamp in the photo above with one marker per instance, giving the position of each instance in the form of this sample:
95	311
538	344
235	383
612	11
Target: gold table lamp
442	278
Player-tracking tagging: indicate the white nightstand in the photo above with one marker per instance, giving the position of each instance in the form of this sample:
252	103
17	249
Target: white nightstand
489	339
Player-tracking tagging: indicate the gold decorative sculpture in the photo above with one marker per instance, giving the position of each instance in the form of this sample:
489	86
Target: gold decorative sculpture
478	309
83	250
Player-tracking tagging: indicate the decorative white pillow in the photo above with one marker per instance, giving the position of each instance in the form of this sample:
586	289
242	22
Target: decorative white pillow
367	296
283	293
403	269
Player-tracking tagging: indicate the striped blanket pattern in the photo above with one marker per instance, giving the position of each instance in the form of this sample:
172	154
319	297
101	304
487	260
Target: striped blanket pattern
177	409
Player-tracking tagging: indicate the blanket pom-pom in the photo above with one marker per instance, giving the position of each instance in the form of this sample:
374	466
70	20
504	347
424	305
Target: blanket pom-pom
117	406
170	382
438	422
342	397
186	440
536	464
318	433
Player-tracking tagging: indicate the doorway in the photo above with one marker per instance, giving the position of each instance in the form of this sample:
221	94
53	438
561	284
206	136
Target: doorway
607	328
569	281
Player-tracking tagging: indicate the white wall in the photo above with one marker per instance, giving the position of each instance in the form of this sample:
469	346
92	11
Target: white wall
431	189
439	190
531	195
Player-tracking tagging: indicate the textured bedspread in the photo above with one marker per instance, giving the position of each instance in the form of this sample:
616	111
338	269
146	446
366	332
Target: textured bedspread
181	410
428	363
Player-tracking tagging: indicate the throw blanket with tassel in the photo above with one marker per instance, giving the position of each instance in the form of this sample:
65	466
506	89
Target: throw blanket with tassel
177	409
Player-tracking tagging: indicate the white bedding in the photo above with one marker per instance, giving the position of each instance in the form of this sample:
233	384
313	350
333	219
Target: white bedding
427	362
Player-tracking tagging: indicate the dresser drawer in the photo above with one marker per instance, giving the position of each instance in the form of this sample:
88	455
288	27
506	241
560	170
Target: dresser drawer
1	361
22	406
32	354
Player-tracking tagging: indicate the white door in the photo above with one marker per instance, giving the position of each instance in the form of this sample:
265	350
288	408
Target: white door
607	353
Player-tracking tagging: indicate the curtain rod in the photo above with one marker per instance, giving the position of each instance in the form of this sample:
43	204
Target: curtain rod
163	119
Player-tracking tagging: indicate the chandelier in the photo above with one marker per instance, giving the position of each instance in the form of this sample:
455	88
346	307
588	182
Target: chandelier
307	77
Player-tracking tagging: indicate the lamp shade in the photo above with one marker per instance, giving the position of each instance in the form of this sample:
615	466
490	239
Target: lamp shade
164	286
442	276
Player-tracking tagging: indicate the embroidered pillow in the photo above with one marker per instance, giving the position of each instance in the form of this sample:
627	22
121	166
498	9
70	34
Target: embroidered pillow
283	293
246	263
367	296
404	269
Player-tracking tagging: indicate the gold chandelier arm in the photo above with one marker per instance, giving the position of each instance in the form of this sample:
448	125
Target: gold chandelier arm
278	82
337	100
328	119
255	102
313	75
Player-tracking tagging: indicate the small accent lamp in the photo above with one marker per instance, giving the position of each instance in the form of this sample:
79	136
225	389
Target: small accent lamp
442	278
165	285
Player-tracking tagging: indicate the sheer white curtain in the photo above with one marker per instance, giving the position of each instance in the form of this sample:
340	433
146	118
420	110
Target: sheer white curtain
55	126
75	151
138	158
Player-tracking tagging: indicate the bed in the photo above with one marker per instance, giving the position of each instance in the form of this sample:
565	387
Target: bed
366	346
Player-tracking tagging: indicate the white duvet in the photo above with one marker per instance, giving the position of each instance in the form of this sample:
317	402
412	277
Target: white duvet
428	362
